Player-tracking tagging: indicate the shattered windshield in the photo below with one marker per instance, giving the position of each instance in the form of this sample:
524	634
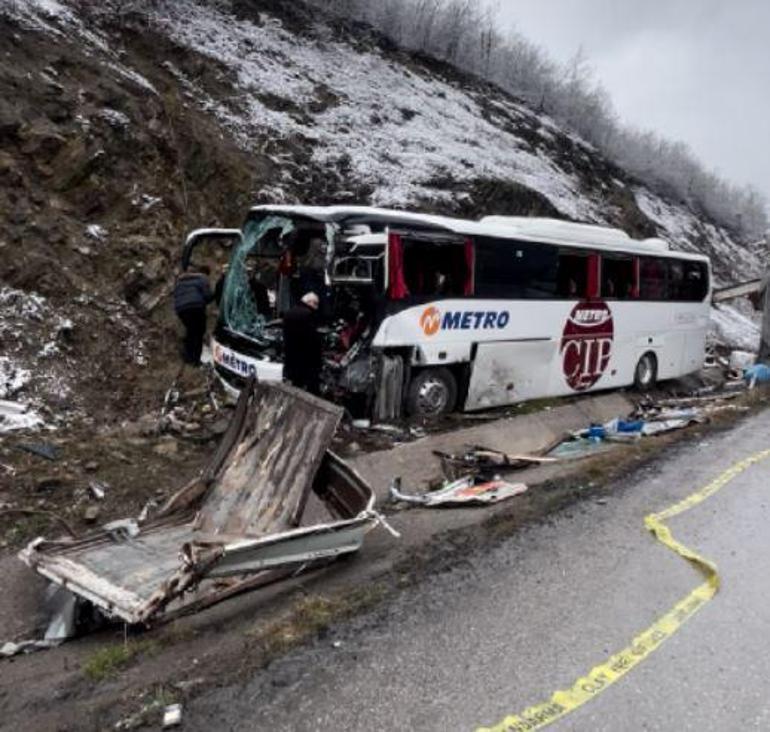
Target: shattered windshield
241	309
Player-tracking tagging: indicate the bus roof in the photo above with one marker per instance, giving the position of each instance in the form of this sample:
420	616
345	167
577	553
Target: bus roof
540	230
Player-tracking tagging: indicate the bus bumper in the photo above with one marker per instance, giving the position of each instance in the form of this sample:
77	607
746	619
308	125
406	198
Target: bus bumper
233	368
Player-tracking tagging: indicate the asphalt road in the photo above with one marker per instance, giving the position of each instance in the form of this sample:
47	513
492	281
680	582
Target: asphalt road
504	630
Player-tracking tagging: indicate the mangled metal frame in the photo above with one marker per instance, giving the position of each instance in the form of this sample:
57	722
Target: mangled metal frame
234	526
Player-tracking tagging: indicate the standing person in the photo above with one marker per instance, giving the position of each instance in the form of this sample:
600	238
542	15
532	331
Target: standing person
303	345
191	296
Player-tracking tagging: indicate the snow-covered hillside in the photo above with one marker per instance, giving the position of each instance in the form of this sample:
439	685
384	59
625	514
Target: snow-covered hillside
317	111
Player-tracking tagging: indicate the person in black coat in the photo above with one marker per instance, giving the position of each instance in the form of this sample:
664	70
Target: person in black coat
192	294
303	345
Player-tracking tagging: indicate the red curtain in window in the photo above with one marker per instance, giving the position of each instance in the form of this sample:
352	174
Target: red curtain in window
637	278
469	265
594	276
397	289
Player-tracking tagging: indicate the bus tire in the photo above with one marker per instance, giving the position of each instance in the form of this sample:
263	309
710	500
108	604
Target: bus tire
431	393
646	372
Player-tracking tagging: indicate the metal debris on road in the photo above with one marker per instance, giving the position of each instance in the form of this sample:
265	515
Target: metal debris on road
484	461
464	491
228	528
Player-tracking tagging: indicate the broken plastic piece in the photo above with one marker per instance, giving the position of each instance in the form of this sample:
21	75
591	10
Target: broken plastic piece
757	374
461	492
172	715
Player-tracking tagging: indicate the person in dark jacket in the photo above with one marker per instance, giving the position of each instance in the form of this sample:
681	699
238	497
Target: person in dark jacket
191	296
303	345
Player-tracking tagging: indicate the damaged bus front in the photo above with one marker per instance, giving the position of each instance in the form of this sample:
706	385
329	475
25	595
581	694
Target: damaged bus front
339	253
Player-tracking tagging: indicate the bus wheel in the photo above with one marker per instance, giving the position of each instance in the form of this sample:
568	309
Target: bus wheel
432	392
646	372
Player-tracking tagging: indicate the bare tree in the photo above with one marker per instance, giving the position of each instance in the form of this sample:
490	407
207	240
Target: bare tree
466	33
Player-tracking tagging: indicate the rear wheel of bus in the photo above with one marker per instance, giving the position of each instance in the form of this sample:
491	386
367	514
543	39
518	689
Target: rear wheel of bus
431	393
646	372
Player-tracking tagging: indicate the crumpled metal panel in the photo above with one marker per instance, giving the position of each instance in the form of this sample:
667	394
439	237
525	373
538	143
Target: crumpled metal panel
249	504
264	486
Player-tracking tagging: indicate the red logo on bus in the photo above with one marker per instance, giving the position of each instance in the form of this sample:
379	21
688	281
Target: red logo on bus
586	345
430	322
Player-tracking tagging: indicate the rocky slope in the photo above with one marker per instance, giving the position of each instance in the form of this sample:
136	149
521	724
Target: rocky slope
120	130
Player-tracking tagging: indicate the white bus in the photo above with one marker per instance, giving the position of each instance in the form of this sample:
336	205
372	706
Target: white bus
427	314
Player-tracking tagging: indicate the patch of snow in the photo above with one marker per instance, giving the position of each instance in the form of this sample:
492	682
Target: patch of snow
146	202
279	76
55	18
114	118
15	416
13	378
96	232
131	75
734	329
687	232
49	349
20	304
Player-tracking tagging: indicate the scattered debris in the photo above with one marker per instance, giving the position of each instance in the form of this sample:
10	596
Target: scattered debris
578	447
172	715
91	514
463	491
144	514
41	449
757	374
122	529
650	418
62	605
224	531
28	646
98	490
484	461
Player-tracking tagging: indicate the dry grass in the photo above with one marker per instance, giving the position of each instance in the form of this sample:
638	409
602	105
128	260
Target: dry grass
107	661
311	615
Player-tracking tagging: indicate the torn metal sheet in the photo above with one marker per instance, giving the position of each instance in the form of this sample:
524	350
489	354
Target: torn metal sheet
28	646
242	517
465	491
485	461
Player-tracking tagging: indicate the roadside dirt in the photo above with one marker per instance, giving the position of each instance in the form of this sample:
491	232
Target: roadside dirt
100	679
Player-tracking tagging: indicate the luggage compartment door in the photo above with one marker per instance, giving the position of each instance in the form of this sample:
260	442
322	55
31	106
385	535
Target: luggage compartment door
508	372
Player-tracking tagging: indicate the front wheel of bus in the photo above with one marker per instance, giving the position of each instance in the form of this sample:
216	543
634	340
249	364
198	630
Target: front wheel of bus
646	372
432	392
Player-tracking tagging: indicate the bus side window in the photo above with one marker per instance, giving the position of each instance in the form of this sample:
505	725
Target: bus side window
572	276
695	283
676	284
652	278
432	269
510	269
618	278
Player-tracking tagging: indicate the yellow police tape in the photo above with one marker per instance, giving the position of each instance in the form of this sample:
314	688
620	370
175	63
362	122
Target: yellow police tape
607	673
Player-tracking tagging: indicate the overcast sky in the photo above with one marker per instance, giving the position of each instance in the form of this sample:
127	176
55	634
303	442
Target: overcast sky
694	70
